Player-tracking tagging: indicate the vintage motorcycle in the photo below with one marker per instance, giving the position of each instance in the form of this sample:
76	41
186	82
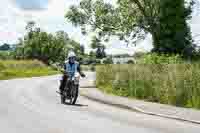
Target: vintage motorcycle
71	89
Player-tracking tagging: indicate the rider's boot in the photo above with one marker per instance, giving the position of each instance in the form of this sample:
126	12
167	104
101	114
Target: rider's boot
62	85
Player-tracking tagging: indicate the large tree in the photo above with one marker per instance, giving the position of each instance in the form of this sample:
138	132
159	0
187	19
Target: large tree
174	34
82	49
131	20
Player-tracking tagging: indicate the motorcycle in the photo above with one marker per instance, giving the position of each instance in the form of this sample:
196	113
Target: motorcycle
71	89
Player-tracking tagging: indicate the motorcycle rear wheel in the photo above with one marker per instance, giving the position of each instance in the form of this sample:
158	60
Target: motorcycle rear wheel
62	99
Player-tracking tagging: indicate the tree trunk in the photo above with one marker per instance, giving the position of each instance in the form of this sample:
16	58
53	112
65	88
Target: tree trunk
156	41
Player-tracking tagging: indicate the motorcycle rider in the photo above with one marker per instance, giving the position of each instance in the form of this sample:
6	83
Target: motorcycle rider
71	66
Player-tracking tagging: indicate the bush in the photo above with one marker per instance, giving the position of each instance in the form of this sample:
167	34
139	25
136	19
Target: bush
98	61
175	84
130	62
108	61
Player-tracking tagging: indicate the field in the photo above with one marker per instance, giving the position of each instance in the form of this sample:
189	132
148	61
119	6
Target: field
23	68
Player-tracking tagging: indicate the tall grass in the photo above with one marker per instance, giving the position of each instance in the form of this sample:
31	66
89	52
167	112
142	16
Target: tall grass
174	84
23	68
5	55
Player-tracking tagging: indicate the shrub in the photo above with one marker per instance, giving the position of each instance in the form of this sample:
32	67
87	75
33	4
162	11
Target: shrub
108	61
130	62
98	61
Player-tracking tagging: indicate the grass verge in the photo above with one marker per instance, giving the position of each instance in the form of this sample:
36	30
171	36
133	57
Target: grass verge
10	69
174	84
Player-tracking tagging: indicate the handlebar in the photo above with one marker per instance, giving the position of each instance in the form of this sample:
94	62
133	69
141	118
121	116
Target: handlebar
65	73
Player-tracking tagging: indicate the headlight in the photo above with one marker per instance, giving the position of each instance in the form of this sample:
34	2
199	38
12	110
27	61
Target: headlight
76	78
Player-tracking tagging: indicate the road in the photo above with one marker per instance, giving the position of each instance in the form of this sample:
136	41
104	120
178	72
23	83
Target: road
33	106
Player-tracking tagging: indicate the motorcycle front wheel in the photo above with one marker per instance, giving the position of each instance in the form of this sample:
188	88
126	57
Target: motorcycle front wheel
74	94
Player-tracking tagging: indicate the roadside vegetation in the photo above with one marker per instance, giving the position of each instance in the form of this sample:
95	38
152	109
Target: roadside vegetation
166	80
10	69
6	55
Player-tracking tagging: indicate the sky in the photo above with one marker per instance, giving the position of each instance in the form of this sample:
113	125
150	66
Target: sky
49	15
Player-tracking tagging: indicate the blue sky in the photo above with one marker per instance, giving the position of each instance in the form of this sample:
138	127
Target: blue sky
49	15
32	4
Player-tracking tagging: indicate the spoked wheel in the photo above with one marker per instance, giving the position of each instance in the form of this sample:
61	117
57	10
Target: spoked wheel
74	94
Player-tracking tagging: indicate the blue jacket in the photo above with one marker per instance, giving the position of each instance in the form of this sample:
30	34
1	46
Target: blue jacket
71	69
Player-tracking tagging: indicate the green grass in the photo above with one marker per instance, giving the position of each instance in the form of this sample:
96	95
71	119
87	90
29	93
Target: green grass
10	69
174	84
4	55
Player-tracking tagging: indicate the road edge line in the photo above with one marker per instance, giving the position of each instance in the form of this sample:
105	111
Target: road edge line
136	109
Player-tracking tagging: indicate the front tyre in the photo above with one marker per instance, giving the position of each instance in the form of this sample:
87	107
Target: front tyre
74	94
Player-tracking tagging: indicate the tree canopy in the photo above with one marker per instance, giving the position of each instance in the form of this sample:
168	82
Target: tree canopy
5	47
100	48
131	20
49	48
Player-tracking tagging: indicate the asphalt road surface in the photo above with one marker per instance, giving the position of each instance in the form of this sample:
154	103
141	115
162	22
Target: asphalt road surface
33	106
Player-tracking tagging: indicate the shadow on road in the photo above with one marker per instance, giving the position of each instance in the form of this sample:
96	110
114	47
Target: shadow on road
77	105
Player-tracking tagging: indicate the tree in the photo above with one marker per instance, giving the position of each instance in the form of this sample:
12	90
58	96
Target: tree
100	53
174	34
131	20
100	48
92	54
29	27
82	49
44	46
5	47
108	60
